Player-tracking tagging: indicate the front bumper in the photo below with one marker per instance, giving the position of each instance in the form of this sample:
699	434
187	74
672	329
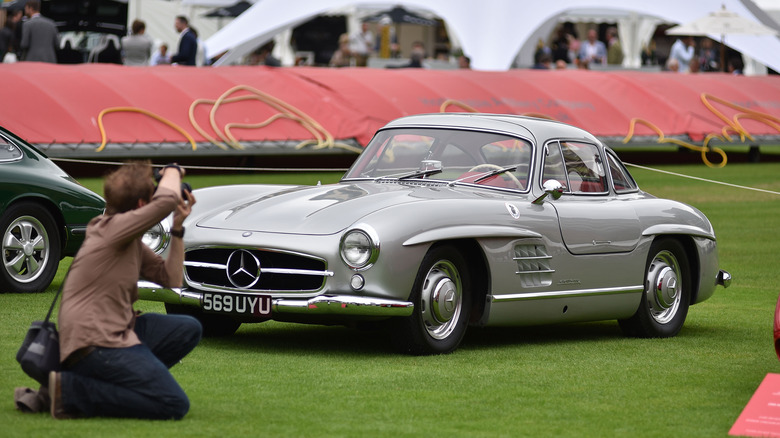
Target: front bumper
347	305
724	278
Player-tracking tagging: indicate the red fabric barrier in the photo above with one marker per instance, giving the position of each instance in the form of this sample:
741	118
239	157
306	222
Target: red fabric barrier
48	104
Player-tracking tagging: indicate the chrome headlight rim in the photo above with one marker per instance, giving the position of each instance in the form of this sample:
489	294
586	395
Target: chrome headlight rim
158	237
372	247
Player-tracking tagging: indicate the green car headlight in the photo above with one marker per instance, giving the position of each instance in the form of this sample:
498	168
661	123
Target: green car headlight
358	249
158	237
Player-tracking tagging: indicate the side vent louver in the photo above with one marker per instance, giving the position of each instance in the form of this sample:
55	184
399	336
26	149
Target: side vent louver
533	265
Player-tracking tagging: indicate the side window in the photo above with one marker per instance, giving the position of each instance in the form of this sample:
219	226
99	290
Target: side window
584	168
621	179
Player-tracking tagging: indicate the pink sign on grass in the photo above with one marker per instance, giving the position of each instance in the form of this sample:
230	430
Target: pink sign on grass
761	416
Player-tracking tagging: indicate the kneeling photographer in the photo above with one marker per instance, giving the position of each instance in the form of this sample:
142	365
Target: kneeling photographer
114	361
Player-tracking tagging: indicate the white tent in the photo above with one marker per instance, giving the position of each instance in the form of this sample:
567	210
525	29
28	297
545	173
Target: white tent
494	32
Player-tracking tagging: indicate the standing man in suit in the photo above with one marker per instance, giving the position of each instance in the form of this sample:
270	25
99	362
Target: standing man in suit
188	43
40	38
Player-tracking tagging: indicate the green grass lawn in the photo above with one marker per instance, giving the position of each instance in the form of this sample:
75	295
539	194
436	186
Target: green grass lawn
276	379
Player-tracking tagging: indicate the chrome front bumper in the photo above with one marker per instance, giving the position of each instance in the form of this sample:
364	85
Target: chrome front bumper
320	305
724	278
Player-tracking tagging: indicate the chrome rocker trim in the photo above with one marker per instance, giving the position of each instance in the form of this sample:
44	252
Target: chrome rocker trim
320	305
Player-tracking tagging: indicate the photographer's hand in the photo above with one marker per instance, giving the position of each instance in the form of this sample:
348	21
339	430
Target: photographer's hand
183	210
170	177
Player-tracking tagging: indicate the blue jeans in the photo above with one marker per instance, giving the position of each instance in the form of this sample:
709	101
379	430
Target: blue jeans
134	382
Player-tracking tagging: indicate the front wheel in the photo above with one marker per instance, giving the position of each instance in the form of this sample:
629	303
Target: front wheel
667	293
31	248
442	305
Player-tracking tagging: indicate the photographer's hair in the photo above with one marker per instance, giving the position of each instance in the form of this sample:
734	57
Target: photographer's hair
126	185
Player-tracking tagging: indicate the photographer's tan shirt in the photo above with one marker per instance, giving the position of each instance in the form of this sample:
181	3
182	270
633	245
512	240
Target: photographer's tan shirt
101	287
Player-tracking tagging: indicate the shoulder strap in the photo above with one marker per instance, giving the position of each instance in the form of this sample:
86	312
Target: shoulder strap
54	302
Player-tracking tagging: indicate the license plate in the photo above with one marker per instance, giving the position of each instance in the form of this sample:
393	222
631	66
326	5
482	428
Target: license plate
255	305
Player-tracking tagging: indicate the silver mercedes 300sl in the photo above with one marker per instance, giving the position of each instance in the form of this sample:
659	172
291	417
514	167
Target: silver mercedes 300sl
447	221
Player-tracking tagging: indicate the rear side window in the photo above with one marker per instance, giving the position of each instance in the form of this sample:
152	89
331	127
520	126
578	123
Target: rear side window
621	179
9	151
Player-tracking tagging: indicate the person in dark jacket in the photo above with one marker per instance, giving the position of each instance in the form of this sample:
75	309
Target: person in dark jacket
188	43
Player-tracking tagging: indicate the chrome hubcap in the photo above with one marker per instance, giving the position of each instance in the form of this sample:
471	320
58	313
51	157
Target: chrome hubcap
663	286
441	299
25	249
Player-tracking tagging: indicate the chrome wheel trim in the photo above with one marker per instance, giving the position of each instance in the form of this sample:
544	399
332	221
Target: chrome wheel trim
663	288
442	299
26	249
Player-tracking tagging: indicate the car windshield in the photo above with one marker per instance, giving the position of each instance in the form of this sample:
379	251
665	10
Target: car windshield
449	155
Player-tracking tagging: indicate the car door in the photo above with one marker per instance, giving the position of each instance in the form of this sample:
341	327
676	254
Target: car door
593	220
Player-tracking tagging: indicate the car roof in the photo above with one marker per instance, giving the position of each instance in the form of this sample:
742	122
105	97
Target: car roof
539	129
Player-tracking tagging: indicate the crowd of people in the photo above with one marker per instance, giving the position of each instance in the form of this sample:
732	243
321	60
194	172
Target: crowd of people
26	35
566	51
685	58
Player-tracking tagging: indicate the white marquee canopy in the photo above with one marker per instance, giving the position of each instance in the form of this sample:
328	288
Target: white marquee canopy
494	32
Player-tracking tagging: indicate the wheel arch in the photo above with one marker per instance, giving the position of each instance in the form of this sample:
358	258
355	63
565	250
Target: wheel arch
694	264
478	269
48	205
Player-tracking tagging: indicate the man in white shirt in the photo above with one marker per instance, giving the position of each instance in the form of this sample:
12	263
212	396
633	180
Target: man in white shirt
683	51
362	45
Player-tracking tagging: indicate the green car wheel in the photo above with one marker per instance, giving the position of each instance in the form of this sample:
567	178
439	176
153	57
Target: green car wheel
31	248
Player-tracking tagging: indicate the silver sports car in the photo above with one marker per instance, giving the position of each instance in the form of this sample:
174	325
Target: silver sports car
447	221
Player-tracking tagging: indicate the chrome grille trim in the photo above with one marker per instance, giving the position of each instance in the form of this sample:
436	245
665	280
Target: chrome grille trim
267	270
264	270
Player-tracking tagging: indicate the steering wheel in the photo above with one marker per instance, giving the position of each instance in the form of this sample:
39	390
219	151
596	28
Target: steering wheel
486	167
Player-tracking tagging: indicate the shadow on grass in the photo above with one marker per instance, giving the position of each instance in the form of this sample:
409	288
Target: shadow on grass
275	337
290	338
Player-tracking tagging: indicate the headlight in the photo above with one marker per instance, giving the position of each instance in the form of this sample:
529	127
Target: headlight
158	237
358	248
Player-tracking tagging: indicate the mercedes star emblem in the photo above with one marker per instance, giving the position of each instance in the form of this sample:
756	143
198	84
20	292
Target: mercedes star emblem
243	269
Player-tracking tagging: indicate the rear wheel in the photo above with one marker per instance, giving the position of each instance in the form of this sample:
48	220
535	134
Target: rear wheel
213	325
442	304
667	293
31	248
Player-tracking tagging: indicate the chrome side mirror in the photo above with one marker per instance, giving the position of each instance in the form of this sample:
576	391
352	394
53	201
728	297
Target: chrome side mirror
551	187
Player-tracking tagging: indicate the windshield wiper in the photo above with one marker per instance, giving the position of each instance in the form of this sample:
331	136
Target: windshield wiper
496	172
414	174
420	173
486	175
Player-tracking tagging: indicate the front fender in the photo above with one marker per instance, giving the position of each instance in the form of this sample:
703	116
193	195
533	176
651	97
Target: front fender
469	231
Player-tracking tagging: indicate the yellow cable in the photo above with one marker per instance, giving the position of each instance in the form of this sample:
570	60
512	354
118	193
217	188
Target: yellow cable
104	139
662	139
453	102
323	138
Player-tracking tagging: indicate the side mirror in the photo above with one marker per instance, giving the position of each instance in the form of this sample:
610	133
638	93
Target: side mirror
551	187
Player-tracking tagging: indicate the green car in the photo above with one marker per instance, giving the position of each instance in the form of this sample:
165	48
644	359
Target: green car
43	215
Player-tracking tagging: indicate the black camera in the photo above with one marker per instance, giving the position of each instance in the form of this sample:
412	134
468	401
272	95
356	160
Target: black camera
185	187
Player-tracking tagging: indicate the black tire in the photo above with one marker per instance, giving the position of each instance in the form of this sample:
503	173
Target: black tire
213	325
442	304
31	248
666	298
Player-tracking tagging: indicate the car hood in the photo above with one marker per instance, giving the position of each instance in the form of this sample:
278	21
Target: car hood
315	209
